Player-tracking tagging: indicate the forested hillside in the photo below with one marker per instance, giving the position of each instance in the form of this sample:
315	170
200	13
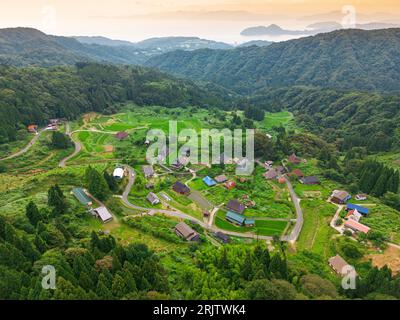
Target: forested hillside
346	59
27	46
34	95
349	118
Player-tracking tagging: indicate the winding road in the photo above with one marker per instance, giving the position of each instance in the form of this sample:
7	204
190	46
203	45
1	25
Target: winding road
179	214
26	149
77	144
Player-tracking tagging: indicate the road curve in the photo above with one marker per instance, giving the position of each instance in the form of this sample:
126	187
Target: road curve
179	214
26	149
77	144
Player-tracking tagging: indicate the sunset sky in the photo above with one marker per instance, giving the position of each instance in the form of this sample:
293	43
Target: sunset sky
215	19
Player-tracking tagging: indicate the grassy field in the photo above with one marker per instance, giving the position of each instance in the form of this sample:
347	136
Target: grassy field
278	119
316	233
40	157
262	227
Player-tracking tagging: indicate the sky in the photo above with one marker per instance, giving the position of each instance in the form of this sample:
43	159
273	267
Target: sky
222	20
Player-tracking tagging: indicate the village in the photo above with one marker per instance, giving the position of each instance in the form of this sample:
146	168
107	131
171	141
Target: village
213	201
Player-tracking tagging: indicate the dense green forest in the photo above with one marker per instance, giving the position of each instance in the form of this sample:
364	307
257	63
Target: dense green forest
346	59
35	95
347	118
94	266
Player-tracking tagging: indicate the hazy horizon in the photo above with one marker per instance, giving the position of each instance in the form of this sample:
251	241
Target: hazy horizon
220	20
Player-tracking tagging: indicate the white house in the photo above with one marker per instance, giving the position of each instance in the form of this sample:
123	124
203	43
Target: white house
119	173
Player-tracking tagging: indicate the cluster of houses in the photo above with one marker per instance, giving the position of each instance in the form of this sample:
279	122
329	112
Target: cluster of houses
354	212
236	216
219	180
278	172
101	212
51	126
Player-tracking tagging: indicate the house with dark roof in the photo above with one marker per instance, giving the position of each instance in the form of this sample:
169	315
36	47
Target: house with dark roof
340	196
223	237
280	169
148	171
181	188
310	180
121	135
271	174
187	233
236	206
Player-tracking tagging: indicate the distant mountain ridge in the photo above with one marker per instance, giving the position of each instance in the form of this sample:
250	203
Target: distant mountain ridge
161	44
346	59
320	27
27	46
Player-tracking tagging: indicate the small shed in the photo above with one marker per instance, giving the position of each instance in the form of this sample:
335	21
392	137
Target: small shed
153	199
221	179
250	223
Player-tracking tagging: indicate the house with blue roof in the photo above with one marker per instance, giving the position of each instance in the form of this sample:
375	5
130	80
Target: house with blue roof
239	220
209	181
362	210
235	218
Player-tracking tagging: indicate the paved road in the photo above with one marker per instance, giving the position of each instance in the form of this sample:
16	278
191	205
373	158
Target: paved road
179	214
26	149
78	147
299	213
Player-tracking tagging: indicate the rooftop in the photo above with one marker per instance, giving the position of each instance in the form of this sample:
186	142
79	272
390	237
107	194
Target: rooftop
360	209
104	214
82	197
209	182
352	224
